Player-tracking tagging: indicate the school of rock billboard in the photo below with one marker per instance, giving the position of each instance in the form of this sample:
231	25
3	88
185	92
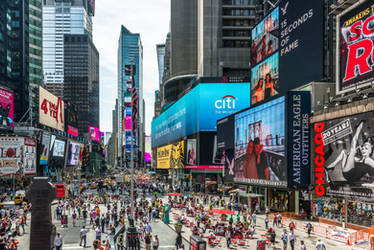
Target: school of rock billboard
343	156
355	36
17	156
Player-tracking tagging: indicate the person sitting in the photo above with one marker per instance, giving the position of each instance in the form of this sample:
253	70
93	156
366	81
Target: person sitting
212	235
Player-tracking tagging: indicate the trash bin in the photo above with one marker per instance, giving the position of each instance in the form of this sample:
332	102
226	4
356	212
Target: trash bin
196	243
261	245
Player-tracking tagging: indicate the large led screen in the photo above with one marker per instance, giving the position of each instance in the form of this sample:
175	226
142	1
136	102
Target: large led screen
73	153
95	133
260	145
347	147
265	37
51	110
171	156
7	109
264	79
356	37
199	110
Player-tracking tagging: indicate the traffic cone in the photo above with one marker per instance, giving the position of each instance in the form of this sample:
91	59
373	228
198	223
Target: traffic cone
348	242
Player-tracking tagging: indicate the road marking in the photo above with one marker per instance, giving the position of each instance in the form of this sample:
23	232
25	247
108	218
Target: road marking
71	246
166	246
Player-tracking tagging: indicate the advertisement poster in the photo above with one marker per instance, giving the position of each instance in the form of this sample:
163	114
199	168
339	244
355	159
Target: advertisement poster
58	148
300	43
6	109
191	152
199	110
356	39
95	133
73	153
298	136
148	150
171	156
72	131
18	156
349	159
128	122
225	133
265	79
265	37
228	161
45	148
51	110
29	160
260	145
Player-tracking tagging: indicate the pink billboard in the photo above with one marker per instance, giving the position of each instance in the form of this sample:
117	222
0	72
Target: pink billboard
204	167
72	131
6	109
128	122
95	133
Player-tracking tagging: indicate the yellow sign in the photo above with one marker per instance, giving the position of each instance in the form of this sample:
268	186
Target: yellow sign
171	156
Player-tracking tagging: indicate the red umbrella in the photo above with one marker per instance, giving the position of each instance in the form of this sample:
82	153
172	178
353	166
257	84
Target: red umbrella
221	211
174	194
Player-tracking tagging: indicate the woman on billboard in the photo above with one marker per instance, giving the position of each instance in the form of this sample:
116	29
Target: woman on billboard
269	86
358	162
259	93
250	168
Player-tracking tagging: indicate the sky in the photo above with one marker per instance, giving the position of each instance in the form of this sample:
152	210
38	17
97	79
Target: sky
150	19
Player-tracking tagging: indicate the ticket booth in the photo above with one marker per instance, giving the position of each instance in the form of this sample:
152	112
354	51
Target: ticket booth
196	243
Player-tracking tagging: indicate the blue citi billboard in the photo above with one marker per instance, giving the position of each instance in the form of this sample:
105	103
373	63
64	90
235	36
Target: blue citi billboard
199	110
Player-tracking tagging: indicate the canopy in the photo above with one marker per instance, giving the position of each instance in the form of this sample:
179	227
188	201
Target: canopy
221	211
174	194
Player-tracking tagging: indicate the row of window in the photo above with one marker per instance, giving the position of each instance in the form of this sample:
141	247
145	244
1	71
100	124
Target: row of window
238	12
239	2
236	44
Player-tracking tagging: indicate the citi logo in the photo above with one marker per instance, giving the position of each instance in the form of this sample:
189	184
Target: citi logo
227	102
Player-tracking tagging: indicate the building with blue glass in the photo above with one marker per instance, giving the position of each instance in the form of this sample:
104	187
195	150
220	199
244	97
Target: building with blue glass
130	52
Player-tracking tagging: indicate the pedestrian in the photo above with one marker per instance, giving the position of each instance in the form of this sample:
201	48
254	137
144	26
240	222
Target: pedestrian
155	242
292	237
254	219
320	245
228	238
120	245
178	241
266	221
58	242
147	241
74	216
280	220
275	221
83	236
309	228
302	245
284	237
98	233
102	224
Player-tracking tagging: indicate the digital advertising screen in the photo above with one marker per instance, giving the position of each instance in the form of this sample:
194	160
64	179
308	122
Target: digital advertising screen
191	152
199	110
260	153
225	133
95	133
347	148
58	148
46	138
51	110
73	153
265	37
301	37
6	109
356	38
148	150
265	79
72	131
171	156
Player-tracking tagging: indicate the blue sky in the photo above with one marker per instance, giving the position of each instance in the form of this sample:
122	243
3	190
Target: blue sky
151	19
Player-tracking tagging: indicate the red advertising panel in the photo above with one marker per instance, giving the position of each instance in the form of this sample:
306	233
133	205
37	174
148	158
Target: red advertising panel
72	131
356	36
7	109
60	190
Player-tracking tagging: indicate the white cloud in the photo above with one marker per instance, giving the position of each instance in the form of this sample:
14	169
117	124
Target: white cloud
148	18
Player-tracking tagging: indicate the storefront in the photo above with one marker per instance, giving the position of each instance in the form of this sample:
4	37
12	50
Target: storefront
281	200
328	208
360	213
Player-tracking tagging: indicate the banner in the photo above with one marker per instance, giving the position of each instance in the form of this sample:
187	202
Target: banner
17	156
191	152
298	137
6	109
45	148
355	37
348	159
51	110
171	156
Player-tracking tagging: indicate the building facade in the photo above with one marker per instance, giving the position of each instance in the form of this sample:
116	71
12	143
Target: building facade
81	79
14	53
130	63
59	18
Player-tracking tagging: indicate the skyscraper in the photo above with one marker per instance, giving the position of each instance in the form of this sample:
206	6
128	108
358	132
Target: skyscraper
81	79
130	52
59	18
14	53
35	54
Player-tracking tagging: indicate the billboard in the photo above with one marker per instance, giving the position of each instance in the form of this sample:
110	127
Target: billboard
72	131
228	161
73	153
51	110
130	68
128	110
44	153
346	147
91	7
300	43
171	156
265	37
18	156
355	42
128	122
57	147
265	79
260	154
225	133
94	133
298	138
199	110
191	152
148	150
6	109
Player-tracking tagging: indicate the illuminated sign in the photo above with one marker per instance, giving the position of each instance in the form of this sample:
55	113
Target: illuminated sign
51	110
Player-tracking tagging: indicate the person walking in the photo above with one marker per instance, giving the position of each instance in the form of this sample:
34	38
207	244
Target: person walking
58	242
267	222
228	238
320	245
178	241
120	245
284	237
147	241
309	228
83	236
98	233
302	245
155	242
292	237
